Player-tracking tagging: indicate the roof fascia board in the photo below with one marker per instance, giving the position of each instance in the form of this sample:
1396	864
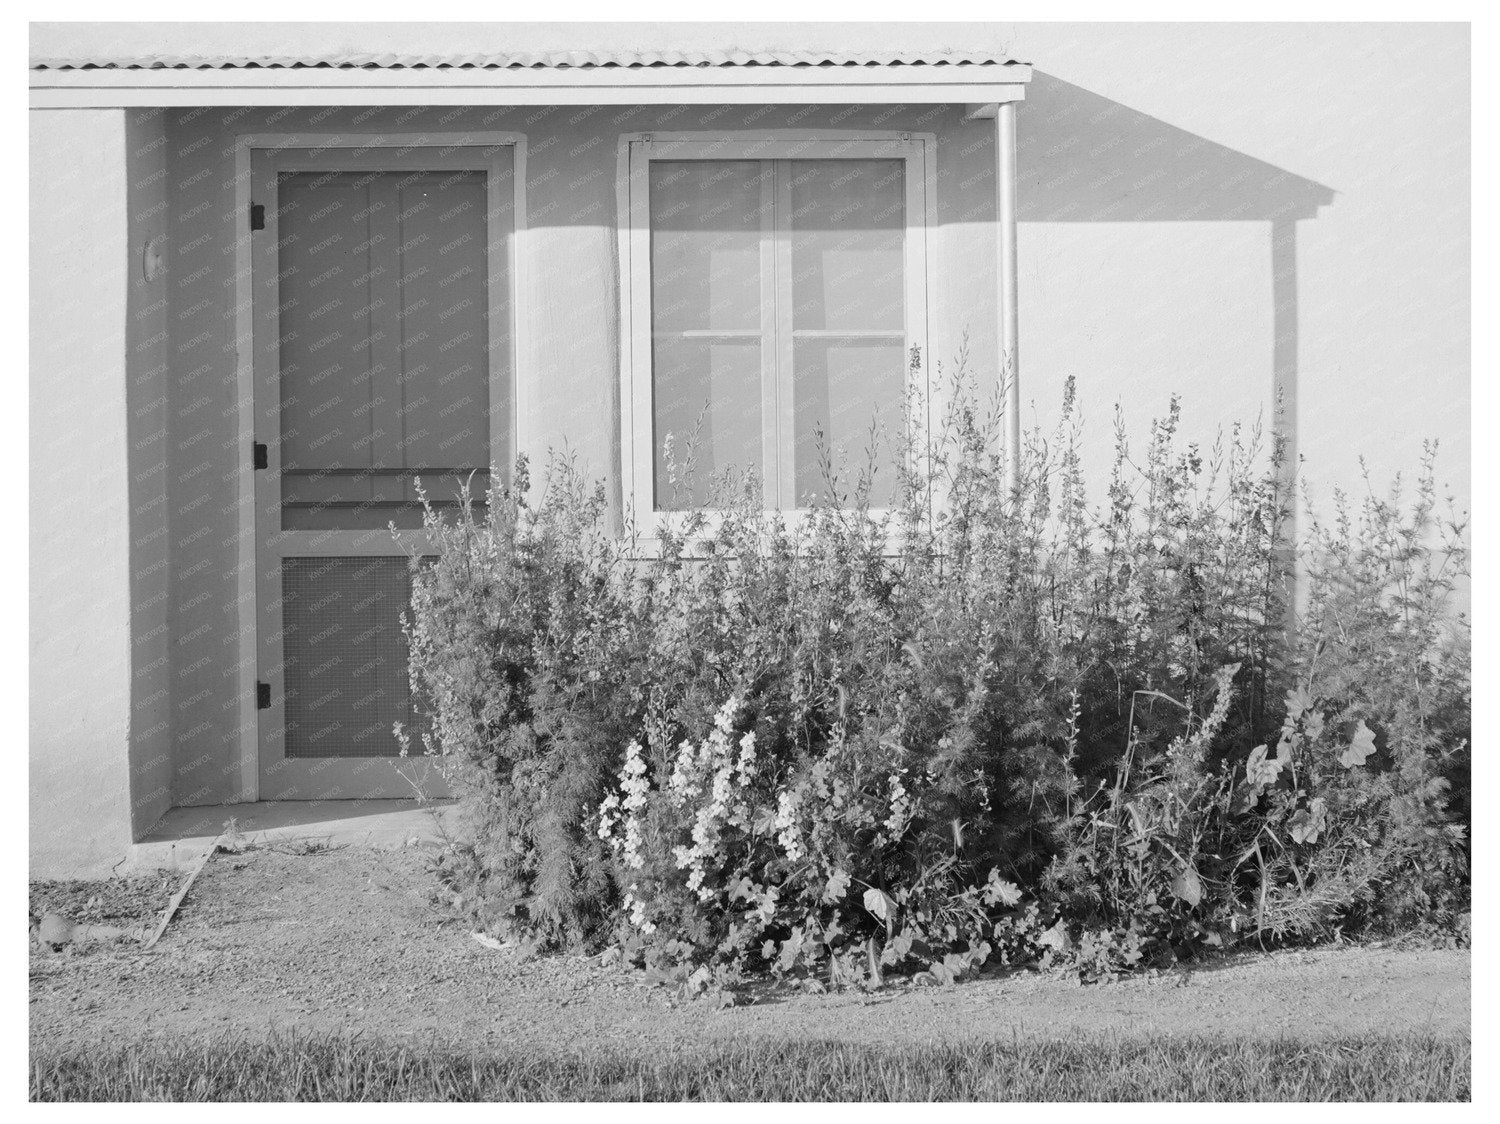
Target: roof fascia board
757	94
972	74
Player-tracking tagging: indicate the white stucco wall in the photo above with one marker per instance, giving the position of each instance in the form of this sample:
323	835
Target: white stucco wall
1378	309
100	745
79	519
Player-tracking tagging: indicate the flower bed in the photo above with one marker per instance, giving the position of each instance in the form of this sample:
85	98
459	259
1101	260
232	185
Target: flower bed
994	724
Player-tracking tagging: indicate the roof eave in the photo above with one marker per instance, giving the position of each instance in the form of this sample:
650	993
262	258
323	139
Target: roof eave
872	83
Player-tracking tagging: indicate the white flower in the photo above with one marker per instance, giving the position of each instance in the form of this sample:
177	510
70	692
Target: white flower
901	808
746	766
787	833
724	720
614	811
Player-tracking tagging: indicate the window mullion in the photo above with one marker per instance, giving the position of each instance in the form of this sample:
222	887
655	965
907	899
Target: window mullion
784	420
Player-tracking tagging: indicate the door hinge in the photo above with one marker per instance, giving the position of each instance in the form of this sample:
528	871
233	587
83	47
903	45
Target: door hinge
259	456
257	216
262	696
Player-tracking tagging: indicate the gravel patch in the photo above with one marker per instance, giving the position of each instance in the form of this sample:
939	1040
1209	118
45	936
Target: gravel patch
353	940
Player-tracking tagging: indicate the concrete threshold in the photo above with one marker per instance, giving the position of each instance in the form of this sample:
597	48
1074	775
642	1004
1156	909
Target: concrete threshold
182	835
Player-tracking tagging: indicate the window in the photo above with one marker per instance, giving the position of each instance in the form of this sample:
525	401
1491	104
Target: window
776	293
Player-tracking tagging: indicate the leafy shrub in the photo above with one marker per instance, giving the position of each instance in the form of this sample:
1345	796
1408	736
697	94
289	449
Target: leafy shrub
1345	817
991	723
521	646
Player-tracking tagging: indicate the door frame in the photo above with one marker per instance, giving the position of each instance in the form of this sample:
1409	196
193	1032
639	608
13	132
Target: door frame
247	599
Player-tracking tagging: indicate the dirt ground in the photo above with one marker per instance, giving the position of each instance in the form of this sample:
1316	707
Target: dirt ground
349	940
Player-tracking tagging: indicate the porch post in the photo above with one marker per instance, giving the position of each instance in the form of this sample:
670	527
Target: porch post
1005	227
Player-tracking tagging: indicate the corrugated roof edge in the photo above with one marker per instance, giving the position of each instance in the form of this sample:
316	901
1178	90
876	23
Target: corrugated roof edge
527	60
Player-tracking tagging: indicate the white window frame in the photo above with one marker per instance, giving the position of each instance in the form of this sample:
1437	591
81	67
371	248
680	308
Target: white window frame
636	152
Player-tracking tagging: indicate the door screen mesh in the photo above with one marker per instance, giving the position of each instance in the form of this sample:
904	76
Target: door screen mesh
346	657
385	346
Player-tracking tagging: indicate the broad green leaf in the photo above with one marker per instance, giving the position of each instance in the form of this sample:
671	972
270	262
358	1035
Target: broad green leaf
837	887
1308	823
880	904
1261	771
1286	743
1187	887
997	889
1298	702
1360	747
1301	826
1055	937
791	949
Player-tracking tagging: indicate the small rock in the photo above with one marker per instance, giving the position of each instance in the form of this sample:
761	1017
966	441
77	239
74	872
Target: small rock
101	933
56	930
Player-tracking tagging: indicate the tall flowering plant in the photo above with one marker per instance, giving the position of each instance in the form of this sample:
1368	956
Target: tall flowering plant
751	860
990	721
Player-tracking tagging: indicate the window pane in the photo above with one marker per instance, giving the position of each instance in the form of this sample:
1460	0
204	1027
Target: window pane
710	222
707	407
706	222
848	401
848	321
848	227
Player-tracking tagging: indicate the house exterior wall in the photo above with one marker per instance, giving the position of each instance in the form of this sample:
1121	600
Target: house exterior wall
1163	278
81	597
100	698
148	372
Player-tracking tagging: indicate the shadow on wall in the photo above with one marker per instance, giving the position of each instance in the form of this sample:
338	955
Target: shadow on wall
1096	160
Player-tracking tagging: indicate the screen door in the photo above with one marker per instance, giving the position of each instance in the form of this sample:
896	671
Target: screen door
383	358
